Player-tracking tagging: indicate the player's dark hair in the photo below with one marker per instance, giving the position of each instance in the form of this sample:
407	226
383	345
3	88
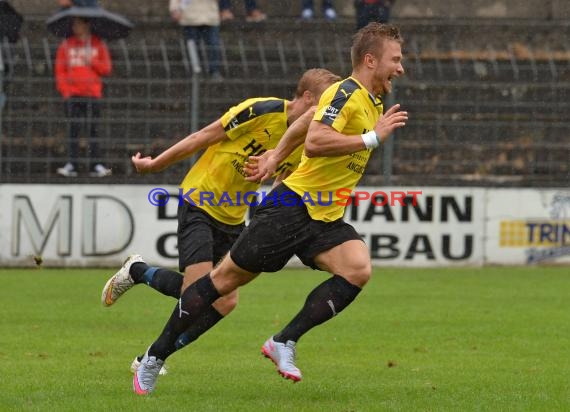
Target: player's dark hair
367	40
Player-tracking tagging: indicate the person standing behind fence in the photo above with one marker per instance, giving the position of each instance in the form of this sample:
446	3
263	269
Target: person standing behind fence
81	61
308	9
200	20
253	13
372	11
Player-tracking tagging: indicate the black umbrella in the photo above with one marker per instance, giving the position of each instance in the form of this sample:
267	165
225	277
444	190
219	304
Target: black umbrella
104	24
10	22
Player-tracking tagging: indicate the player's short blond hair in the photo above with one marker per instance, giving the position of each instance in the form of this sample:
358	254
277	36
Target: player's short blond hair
315	81
368	40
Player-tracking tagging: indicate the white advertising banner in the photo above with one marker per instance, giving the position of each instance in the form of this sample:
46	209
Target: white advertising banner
84	225
99	225
526	226
444	227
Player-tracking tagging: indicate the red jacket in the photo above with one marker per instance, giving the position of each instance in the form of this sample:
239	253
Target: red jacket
79	66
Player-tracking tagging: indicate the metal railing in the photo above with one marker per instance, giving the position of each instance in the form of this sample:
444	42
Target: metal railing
480	116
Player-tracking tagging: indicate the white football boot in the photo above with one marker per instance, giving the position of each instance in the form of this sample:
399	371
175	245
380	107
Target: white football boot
120	282
137	362
283	356
144	379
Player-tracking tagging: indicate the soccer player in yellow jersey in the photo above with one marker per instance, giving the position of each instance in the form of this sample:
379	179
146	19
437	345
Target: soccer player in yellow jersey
214	205
347	125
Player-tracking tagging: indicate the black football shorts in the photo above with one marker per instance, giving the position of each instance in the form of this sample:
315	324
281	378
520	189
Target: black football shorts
280	230
201	238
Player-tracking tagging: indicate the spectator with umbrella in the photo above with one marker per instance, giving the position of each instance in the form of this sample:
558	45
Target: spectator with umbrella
82	59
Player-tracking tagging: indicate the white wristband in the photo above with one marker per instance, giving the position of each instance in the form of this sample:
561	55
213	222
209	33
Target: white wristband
370	140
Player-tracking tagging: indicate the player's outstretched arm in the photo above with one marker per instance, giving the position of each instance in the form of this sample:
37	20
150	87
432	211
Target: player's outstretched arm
261	168
322	140
209	135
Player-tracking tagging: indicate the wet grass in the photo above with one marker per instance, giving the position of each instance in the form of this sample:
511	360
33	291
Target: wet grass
469	339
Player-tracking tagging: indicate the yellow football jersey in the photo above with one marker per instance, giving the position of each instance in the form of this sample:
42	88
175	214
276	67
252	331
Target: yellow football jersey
216	183
350	109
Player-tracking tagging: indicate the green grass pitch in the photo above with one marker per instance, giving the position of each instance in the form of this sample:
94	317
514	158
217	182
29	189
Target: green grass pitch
465	339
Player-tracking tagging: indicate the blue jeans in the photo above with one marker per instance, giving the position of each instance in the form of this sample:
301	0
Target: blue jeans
79	110
85	3
310	4
366	13
250	5
211	37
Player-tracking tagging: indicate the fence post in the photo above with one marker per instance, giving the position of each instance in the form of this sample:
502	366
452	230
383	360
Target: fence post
195	94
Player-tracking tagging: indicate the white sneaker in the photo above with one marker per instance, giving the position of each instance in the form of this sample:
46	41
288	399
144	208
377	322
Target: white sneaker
307	14
137	362
330	14
283	356
68	170
120	282
146	374
100	171
216	77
